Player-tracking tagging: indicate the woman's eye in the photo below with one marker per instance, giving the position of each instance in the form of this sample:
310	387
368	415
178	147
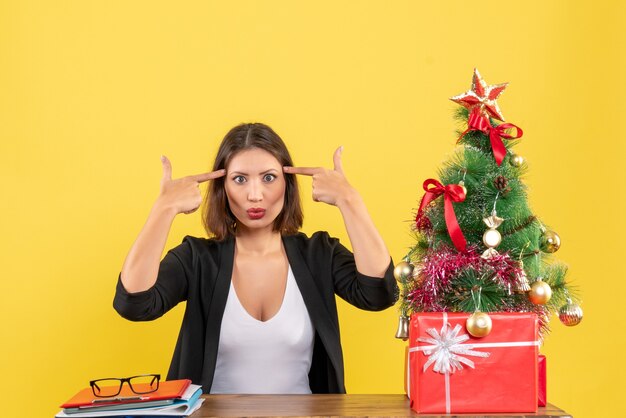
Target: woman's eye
269	177
239	179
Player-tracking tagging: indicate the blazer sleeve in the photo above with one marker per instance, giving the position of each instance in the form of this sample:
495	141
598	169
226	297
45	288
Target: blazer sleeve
364	292
170	288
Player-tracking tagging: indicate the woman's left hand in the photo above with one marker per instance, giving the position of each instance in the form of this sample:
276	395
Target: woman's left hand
329	186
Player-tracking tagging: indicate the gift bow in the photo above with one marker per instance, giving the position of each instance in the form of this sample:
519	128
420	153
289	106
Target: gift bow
480	122
447	350
450	192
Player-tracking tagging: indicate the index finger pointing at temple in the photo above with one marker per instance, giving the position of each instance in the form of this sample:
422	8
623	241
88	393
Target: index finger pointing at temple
307	171
200	178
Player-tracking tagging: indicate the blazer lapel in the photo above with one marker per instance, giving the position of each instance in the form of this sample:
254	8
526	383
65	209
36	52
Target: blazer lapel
315	304
216	309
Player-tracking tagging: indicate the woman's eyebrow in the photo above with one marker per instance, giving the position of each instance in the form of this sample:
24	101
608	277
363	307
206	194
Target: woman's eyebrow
245	174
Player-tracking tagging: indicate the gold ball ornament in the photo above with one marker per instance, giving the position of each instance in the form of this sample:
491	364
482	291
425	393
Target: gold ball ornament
540	292
403	271
570	314
516	160
549	242
478	324
492	238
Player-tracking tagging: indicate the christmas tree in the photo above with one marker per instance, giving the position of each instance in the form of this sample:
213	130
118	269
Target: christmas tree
479	248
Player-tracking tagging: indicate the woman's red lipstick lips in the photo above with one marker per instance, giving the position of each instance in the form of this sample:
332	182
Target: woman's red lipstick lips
256	213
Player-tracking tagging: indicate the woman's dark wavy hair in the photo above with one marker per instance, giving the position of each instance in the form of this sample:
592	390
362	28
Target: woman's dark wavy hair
217	217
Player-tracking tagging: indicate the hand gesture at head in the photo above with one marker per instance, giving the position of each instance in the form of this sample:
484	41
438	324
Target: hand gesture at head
329	186
183	195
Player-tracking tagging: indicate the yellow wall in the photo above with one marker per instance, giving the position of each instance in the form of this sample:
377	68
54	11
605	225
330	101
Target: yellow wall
93	92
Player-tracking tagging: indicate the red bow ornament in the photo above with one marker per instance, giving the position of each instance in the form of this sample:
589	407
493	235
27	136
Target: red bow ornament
451	193
480	122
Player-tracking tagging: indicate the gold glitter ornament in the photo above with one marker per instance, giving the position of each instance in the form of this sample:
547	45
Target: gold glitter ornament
403	271
549	242
478	324
417	276
491	237
522	285
540	292
516	160
570	314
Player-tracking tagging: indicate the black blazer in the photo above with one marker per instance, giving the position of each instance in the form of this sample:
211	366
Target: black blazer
199	271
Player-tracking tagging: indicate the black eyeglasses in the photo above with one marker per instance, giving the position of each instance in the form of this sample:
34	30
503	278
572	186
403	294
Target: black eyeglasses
112	386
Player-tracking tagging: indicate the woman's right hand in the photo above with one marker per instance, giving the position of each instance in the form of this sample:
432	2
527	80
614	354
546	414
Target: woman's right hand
182	195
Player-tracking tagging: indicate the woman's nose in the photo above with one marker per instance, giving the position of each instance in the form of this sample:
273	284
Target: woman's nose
255	192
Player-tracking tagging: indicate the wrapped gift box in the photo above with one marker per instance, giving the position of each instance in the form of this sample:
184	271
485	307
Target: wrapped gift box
543	387
449	371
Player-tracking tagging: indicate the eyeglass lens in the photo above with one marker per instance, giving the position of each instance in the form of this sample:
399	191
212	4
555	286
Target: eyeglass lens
144	384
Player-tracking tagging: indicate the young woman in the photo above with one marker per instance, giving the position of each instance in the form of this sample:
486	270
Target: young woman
261	315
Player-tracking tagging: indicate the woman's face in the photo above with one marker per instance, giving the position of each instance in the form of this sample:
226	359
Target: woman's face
255	187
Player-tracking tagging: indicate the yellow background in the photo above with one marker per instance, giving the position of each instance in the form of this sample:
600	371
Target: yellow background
93	92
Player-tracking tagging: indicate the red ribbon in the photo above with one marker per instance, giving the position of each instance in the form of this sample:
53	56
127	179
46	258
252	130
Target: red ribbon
450	192
480	122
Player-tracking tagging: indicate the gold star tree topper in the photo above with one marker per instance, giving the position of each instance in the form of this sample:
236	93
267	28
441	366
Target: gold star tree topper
482	97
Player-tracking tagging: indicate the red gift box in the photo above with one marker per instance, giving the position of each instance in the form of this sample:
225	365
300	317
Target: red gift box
452	372
543	387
